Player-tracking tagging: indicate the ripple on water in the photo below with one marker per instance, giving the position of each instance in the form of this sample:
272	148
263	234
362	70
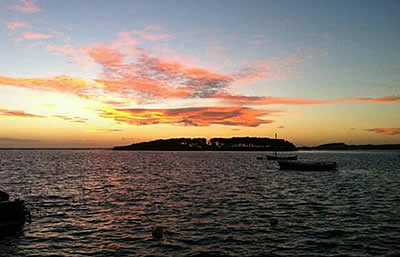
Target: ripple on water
105	203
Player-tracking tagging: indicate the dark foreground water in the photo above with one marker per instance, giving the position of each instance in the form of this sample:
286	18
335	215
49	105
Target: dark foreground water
104	203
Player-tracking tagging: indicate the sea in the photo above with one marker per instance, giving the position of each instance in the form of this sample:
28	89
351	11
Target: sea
106	203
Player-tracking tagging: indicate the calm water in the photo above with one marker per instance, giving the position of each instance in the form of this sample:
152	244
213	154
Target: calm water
104	203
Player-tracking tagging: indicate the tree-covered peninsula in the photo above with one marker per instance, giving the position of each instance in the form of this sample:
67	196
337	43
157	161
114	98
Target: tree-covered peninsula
213	144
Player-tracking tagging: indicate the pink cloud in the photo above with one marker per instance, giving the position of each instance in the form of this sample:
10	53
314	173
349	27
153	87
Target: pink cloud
63	49
105	56
273	69
163	74
385	131
131	71
155	37
277	68
27	6
152	77
74	55
16	25
35	36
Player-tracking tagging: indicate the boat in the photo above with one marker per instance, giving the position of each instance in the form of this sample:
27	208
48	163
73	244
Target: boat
12	213
275	157
307	165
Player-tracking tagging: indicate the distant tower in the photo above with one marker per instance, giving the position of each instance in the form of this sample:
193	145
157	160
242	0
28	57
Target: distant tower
275	136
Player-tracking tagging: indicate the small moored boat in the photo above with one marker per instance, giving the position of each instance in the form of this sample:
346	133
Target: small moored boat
307	165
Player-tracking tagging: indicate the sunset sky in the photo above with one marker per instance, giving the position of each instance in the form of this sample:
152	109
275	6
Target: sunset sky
101	73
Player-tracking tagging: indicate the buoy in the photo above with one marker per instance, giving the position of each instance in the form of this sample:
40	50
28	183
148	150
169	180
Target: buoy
157	232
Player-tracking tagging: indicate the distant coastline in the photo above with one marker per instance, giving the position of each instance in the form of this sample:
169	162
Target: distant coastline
345	147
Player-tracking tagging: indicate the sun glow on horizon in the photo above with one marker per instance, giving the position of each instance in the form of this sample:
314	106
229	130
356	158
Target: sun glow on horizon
100	85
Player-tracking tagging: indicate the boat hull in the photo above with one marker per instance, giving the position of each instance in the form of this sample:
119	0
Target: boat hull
307	166
277	158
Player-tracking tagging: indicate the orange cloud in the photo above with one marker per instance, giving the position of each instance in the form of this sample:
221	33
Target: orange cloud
23	114
63	84
18	113
196	116
35	36
385	131
27	6
16	25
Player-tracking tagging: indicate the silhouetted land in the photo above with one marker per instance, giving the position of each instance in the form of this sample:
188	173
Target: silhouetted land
214	144
343	146
51	148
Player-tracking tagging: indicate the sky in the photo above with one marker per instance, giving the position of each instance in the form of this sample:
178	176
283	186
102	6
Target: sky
103	73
